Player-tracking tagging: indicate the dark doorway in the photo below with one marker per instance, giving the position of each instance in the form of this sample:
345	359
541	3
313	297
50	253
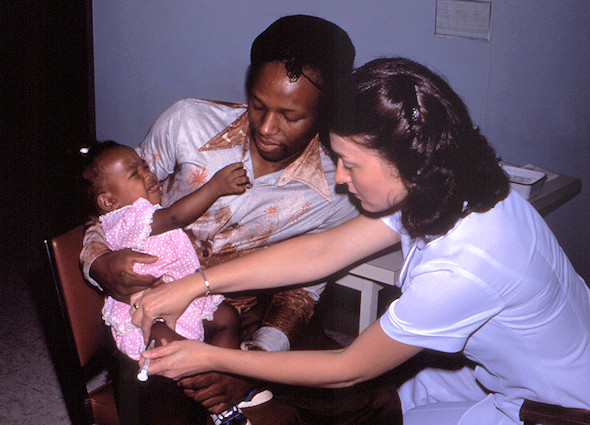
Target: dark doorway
47	113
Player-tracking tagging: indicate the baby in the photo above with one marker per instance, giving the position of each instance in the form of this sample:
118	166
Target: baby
128	195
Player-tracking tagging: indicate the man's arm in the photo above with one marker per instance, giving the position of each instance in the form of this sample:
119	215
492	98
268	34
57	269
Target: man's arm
93	247
112	271
158	148
181	130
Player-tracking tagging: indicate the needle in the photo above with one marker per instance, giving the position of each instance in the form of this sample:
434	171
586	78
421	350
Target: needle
143	375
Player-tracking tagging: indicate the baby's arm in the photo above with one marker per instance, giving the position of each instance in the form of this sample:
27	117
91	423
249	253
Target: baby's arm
230	180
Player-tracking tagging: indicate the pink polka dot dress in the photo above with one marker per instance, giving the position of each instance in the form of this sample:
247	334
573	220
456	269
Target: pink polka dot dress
130	227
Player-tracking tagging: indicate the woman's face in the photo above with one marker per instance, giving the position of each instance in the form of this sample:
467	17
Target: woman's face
376	183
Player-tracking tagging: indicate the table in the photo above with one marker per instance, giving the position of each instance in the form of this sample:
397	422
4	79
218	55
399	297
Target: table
383	268
556	191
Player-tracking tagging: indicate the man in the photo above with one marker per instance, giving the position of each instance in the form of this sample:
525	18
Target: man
297	66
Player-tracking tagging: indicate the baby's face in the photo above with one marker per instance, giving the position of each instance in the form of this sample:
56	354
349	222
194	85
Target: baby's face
129	178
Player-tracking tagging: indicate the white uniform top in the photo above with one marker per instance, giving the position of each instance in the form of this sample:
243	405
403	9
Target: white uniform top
499	288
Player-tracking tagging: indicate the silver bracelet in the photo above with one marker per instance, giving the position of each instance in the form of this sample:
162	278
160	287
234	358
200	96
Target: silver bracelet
208	291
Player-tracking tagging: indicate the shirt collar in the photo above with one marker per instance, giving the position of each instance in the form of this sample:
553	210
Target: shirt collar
234	134
307	168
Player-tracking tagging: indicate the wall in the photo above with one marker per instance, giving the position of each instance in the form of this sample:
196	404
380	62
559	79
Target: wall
527	88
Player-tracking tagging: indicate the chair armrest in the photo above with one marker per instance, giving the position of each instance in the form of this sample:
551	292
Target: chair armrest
533	412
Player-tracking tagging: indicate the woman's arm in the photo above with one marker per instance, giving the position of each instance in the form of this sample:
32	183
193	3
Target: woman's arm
370	355
302	259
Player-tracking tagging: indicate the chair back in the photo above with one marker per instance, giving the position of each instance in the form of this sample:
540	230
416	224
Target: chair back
78	301
85	334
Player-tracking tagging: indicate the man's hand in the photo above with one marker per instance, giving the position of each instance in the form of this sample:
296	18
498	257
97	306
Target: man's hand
216	391
114	273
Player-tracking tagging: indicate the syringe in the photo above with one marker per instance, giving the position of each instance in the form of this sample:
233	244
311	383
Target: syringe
143	372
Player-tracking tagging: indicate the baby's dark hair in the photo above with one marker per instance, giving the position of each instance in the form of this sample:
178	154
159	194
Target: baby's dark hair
93	175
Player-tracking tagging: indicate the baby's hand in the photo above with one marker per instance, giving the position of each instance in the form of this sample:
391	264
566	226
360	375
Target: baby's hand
231	180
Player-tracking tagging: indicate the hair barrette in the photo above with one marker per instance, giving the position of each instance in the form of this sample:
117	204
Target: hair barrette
295	70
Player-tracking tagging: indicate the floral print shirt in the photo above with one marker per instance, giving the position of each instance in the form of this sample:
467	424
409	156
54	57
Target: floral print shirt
194	138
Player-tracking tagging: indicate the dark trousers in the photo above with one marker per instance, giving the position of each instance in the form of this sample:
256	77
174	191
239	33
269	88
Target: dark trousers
160	401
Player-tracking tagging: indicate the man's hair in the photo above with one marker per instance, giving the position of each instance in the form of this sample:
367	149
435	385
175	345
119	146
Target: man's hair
301	41
413	118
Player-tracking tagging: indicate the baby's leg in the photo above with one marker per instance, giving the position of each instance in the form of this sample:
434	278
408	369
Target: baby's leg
224	329
160	331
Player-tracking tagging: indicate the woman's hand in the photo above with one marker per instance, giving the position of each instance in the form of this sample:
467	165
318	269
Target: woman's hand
165	302
179	359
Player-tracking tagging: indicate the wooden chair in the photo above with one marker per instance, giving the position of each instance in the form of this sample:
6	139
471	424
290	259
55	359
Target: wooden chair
535	413
87	347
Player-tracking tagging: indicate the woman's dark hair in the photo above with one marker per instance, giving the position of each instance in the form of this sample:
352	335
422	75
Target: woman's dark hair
413	118
301	41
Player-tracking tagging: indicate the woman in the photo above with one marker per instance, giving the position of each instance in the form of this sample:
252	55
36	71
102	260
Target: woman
483	274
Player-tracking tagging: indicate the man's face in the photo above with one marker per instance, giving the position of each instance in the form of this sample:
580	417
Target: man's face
283	114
